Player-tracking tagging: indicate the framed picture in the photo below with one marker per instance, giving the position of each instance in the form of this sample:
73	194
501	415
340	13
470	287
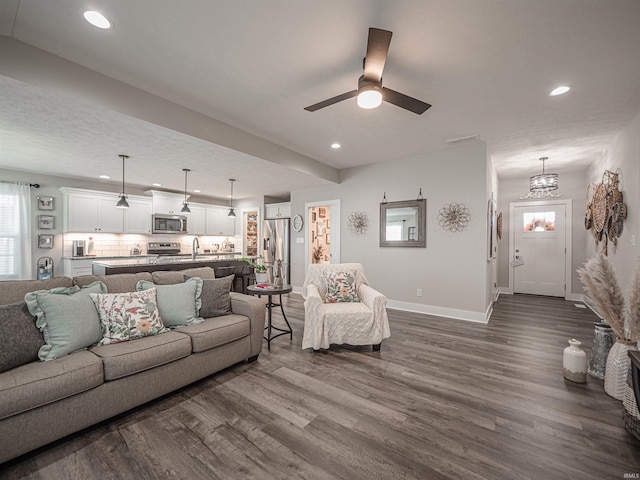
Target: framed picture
46	222
322	212
320	240
313	216
327	238
45	203
45	241
320	228
327	222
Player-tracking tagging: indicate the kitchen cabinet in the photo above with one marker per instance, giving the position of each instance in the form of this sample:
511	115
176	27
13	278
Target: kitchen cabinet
278	210
167	203
197	219
137	218
91	211
75	268
219	223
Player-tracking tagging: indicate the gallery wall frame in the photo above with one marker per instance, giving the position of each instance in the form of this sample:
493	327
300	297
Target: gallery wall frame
46	203
46	222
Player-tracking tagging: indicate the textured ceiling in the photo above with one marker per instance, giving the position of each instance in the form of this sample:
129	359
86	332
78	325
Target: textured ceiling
485	66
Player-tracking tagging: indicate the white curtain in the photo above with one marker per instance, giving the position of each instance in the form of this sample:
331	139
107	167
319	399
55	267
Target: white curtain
15	231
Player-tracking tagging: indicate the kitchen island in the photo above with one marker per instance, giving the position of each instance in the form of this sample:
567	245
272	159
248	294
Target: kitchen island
153	264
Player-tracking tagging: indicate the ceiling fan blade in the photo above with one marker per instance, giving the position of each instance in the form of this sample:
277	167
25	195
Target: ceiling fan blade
377	50
331	101
403	101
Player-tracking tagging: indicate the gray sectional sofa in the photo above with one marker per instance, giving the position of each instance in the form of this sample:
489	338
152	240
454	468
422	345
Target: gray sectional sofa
43	401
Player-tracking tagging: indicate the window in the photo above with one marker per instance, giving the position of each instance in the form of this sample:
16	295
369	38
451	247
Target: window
539	221
15	231
394	233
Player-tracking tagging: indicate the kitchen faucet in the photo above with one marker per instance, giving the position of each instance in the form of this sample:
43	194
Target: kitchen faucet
194	248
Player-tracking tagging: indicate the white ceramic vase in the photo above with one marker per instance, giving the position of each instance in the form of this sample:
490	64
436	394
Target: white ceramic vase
262	277
615	375
574	362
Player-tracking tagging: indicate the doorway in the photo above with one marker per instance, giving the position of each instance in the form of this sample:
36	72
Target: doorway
323	232
540	248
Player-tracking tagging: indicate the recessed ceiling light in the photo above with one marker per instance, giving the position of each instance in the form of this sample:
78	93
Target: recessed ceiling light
106	177
96	19
559	90
335	145
197	191
156	184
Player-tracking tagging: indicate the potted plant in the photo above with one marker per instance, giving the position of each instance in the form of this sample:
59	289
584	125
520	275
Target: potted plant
260	270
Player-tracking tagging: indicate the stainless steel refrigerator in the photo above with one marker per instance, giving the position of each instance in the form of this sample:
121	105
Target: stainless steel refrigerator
276	246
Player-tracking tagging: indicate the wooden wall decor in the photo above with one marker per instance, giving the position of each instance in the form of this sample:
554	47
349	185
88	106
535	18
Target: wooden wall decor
606	211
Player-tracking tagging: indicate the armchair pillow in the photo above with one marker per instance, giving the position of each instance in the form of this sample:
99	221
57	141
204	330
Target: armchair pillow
20	339
340	287
126	316
179	304
67	318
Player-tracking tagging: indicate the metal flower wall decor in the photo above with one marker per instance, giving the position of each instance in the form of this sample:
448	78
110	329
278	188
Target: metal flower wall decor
453	217
358	223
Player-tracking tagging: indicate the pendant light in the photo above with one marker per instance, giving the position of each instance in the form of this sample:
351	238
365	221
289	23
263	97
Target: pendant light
185	204
231	213
122	203
545	182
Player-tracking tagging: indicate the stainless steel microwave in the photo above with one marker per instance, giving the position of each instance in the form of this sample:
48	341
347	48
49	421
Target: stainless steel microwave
169	224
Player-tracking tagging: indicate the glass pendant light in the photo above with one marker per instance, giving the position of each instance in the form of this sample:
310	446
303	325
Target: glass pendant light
122	203
232	212
185	204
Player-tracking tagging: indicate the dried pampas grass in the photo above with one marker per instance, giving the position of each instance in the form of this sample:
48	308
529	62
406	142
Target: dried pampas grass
599	280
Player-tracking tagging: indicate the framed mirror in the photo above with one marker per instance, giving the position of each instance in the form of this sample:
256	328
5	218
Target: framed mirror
403	224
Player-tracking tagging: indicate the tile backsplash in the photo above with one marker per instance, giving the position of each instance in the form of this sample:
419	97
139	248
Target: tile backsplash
120	245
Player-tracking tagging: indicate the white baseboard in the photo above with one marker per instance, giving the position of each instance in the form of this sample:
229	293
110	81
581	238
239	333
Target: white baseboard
467	315
505	291
575	297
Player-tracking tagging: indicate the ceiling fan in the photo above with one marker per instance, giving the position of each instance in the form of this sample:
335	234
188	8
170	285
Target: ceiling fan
370	91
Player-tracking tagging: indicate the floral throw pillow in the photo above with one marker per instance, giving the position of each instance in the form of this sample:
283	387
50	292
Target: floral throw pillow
341	287
125	316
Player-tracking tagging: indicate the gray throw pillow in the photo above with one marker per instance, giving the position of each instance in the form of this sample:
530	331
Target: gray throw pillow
20	339
67	317
216	300
178	304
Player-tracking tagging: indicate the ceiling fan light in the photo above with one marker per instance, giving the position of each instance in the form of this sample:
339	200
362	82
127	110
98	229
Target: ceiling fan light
371	98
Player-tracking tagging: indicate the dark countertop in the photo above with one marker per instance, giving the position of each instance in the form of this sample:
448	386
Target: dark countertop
151	264
102	258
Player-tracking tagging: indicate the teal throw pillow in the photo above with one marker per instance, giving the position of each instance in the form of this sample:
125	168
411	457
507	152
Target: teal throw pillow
67	317
178	304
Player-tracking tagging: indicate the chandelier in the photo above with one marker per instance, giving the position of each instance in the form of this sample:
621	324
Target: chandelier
544	182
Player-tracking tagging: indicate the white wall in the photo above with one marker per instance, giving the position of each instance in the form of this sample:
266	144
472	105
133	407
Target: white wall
452	269
623	157
572	185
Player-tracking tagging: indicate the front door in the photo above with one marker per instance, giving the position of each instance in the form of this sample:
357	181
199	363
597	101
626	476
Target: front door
540	250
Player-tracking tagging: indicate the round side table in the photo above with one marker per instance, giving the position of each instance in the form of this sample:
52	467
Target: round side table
271	291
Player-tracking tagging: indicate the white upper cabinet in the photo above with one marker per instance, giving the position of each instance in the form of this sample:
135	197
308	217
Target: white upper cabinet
137	218
219	223
278	210
167	203
91	211
197	219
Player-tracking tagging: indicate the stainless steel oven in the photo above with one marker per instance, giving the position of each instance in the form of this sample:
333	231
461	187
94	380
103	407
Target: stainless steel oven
169	224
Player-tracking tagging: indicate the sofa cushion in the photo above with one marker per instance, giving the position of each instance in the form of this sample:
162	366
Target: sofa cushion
179	304
14	291
20	339
127	316
215	297
178	276
128	358
118	283
217	331
67	317
39	383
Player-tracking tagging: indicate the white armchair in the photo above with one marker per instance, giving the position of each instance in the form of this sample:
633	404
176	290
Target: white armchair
353	323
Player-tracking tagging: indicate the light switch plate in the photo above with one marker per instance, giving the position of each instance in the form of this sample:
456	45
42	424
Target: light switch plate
300	240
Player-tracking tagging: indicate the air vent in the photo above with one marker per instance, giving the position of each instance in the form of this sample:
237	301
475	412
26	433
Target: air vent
468	138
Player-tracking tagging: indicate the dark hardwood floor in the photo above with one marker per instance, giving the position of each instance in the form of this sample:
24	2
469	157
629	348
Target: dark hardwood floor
442	399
